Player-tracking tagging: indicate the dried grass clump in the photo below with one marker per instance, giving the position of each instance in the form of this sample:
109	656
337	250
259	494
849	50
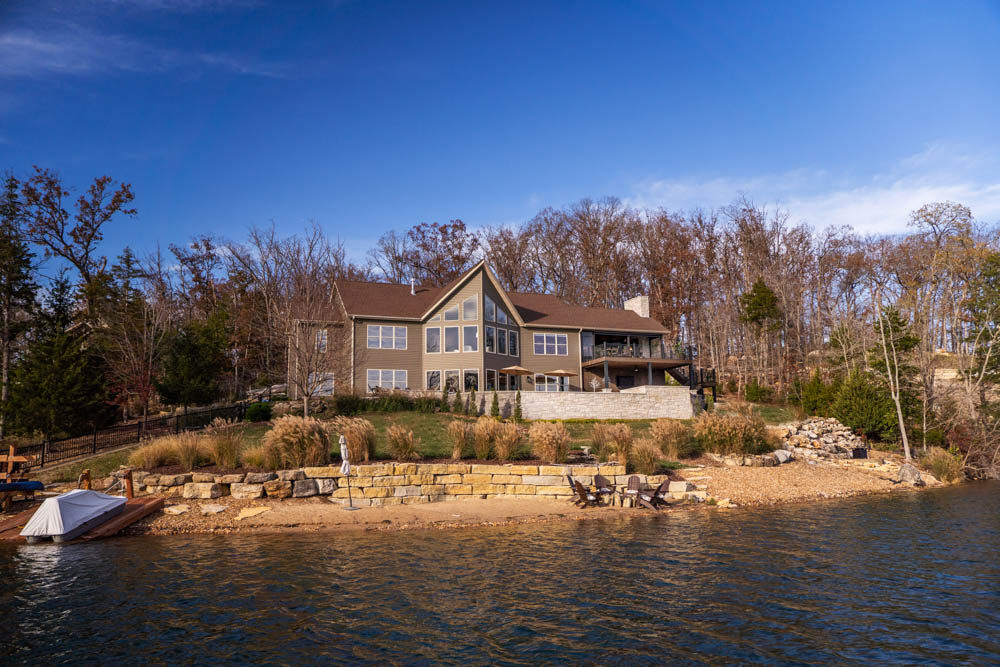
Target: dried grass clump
360	435
621	442
402	444
159	452
483	434
506	438
943	464
190	450
225	441
742	432
600	436
672	436
297	441
254	457
460	434
549	442
646	456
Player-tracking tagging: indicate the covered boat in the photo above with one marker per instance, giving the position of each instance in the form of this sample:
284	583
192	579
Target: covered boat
70	515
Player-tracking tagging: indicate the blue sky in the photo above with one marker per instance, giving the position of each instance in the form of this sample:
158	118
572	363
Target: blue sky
369	116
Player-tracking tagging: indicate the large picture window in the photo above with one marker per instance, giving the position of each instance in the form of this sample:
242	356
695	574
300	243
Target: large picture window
433	340
491	310
512	346
451	339
551	344
470	339
491	380
472	380
470	308
491	339
386	338
551	383
451	380
385	378
434	380
501	315
501	341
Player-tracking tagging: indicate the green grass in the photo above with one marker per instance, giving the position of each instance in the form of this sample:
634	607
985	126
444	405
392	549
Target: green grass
776	414
100	466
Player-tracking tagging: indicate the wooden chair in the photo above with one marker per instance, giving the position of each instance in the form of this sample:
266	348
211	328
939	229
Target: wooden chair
584	498
603	486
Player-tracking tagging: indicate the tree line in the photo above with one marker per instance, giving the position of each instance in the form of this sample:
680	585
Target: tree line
827	319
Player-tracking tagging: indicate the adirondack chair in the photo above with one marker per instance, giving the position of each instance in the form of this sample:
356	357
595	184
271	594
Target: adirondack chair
584	498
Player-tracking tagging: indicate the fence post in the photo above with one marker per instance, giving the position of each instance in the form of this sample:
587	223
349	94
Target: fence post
94	445
45	449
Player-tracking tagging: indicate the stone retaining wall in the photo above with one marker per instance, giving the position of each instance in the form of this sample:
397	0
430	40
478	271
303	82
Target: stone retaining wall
635	403
401	483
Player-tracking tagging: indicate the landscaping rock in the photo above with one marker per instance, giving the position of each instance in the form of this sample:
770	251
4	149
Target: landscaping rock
212	509
246	491
150	480
229	479
202	490
325	487
819	438
175	480
259	477
278	488
303	488
291	475
680	487
782	455
908	473
176	509
203	478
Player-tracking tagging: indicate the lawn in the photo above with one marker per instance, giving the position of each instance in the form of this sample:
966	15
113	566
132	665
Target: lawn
99	466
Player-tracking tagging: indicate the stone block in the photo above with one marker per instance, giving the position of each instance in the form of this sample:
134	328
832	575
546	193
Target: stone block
341	492
444	468
521	470
680	487
608	470
377	491
586	480
388	480
583	470
522	489
304	488
291	475
480	469
415	500
487	488
150	480
420	478
373	470
202	490
545	480
175	480
229	479
447	479
401	491
552	490
357	481
246	491
278	488
458	489
553	470
325	486
355	501
203	478
259	477
383	502
320	472
506	479
477	478
431	489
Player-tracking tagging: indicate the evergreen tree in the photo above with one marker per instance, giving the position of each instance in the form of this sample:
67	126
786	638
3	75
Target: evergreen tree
194	363
458	407
444	398
473	407
517	406
864	405
17	288
495	406
815	396
58	386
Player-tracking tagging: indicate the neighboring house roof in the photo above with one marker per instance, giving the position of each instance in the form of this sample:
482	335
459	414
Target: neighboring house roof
387	300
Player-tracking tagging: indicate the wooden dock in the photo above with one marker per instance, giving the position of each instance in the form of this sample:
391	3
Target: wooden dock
135	509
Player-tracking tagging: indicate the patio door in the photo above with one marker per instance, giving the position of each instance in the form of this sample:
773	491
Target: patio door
625	381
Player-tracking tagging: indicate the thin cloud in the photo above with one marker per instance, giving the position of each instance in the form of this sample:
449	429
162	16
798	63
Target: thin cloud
879	204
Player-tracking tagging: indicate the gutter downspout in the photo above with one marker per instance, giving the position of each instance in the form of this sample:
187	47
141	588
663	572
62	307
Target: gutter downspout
354	331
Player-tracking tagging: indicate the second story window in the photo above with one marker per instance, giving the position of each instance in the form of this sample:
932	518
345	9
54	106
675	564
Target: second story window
512	348
433	340
551	344
386	338
451	339
491	310
451	315
470	339
321	341
470	308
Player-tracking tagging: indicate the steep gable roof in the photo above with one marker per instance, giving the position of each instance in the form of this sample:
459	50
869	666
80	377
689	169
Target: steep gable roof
549	310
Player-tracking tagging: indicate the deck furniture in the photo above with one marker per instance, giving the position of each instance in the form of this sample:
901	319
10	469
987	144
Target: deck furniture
631	491
603	487
15	480
584	498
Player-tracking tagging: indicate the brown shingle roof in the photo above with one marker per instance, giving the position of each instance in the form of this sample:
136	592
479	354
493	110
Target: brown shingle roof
549	310
385	299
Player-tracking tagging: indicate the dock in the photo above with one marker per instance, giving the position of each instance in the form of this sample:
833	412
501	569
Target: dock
135	509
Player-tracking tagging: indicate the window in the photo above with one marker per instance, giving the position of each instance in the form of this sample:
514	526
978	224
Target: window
451	315
502	382
470	339
491	310
433	343
501	316
491	339
451	380
434	380
386	338
386	379
471	380
470	308
436	318
451	339
512	347
322	384
321	341
491	380
550	383
551	344
501	341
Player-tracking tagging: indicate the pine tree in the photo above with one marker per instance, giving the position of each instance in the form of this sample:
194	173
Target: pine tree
17	288
458	407
473	407
444	398
193	364
517	406
815	397
495	406
864	405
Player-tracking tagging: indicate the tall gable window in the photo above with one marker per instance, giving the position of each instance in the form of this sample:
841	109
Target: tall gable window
512	348
451	315
491	310
491	339
501	341
386	338
470	308
470	338
451	339
501	316
321	338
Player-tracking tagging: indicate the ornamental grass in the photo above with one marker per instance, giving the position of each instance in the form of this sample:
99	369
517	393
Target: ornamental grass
483	435
360	436
294	442
673	438
224	440
621	442
506	438
460	434
741	432
646	456
549	441
402	445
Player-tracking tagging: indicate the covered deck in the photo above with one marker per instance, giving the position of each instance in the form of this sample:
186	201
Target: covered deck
681	370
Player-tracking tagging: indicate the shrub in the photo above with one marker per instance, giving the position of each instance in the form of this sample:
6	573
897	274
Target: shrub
460	435
646	456
549	442
159	452
425	404
224	440
189	450
349	404
517	406
394	401
360	436
758	393
743	432
495	406
458	407
258	412
483	432
297	441
621	442
402	444
600	437
944	465
254	457
863	405
505	441
671	436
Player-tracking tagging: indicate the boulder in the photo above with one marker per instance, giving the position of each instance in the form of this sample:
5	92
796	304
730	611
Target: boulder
303	488
291	475
278	488
202	490
175	480
782	456
259	477
246	491
229	479
212	509
326	486
680	487
150	480
908	473
202	478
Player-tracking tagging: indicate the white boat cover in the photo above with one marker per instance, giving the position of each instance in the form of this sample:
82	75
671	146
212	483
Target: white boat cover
60	515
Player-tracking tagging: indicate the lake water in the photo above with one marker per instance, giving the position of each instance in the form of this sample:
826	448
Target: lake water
903	578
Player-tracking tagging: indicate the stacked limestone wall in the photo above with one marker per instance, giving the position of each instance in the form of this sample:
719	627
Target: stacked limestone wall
636	403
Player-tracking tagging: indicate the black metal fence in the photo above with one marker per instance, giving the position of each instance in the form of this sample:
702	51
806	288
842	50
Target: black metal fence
122	435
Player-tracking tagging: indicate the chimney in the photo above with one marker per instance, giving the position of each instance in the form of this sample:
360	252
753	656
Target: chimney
413	287
638	305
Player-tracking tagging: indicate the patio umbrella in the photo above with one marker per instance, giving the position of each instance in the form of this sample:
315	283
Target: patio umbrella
516	370
560	373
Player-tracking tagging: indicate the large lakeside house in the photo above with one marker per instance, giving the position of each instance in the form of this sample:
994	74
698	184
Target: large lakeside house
463	336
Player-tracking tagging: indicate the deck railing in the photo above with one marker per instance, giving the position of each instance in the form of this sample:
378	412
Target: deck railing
640	351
